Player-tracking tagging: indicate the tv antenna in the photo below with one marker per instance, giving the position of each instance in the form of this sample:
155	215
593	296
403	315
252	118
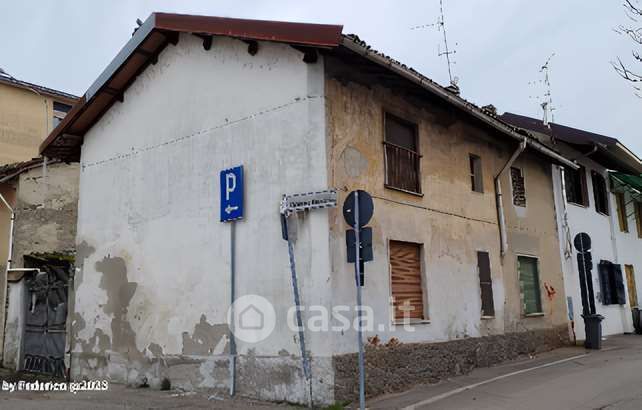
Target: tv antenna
441	26
546	101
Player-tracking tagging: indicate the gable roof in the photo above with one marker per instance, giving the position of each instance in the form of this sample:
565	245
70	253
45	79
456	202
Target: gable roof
161	29
606	151
49	92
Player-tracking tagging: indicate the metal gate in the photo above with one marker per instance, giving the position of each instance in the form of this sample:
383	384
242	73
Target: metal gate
45	322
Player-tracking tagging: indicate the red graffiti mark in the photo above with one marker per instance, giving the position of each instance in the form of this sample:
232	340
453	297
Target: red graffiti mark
550	291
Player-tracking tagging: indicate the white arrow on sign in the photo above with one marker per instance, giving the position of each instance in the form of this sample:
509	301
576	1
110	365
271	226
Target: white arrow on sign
230	208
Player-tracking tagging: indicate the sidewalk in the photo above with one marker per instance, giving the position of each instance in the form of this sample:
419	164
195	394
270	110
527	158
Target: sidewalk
510	385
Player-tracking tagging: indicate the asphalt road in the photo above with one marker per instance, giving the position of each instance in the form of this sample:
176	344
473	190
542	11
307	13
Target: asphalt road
569	378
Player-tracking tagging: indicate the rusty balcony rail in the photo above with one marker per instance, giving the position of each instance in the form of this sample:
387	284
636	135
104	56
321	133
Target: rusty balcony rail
402	168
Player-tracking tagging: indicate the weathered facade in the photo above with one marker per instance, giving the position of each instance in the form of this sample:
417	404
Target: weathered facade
587	202
28	113
44	233
152	287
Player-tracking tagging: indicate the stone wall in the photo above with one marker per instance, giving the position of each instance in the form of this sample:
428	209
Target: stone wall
391	369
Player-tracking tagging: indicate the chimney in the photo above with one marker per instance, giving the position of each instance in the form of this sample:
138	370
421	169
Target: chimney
491	109
453	88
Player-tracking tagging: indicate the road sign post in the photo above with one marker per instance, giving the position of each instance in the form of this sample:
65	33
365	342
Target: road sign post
231	210
357	211
298	203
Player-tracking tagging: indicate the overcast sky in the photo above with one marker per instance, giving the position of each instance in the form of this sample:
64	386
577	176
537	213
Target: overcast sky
500	46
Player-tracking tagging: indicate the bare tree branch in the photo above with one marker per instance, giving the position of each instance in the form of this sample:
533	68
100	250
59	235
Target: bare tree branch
633	10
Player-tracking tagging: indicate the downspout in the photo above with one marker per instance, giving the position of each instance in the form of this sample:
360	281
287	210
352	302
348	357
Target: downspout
13	217
498	195
3	291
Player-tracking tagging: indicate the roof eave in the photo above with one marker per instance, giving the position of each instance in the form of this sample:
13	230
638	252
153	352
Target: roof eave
454	100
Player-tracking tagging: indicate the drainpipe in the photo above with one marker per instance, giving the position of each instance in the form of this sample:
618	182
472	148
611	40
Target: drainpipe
13	217
4	290
498	193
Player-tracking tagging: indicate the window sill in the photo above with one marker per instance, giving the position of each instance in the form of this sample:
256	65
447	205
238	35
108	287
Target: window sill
537	314
411	322
419	194
487	317
602	213
578	205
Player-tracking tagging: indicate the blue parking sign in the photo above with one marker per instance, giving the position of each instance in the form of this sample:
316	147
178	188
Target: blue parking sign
232	194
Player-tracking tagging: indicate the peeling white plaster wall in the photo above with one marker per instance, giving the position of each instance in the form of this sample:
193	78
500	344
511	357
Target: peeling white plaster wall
150	195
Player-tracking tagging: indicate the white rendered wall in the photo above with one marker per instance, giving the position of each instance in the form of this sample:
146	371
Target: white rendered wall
602	230
150	196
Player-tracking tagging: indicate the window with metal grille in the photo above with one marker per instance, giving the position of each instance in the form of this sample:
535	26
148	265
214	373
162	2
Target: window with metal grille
485	284
401	150
517	182
575	185
406	281
529	284
621	211
476	177
600	193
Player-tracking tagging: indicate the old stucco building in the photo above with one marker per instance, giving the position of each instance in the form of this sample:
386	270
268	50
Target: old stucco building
302	108
28	112
41	204
604	200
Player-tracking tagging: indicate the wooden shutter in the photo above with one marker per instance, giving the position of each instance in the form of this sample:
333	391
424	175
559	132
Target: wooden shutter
529	282
603	270
630	280
405	271
638	217
621	212
618	284
485	284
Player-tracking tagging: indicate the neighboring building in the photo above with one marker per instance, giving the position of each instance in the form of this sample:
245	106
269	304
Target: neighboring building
303	108
42	205
603	199
28	112
45	201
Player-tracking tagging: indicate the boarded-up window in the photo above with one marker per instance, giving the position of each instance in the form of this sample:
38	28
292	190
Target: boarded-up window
575	185
407	289
638	217
529	284
517	182
621	212
476	178
401	149
600	193
485	284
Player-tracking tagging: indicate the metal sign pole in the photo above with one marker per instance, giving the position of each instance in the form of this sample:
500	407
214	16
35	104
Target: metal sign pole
232	297
299	321
357	274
